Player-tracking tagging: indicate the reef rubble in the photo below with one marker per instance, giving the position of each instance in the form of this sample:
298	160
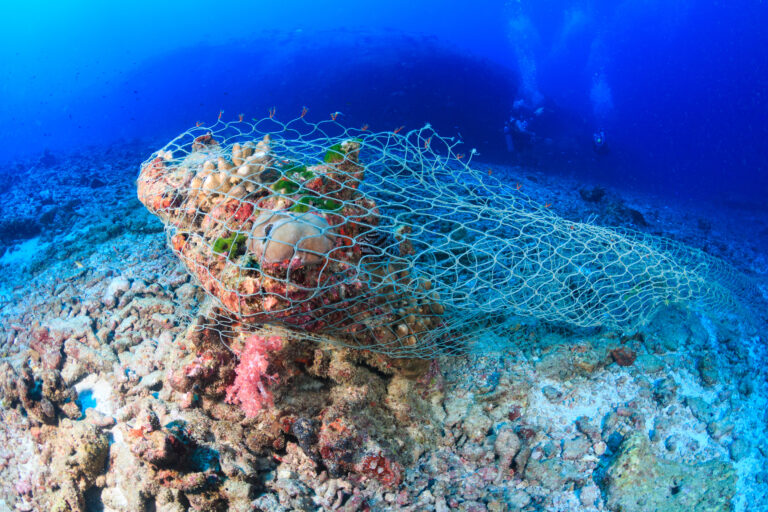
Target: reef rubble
114	395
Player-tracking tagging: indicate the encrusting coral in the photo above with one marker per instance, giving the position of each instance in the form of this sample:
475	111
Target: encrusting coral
286	243
279	242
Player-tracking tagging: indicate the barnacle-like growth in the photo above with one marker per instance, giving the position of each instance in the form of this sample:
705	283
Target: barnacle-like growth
393	242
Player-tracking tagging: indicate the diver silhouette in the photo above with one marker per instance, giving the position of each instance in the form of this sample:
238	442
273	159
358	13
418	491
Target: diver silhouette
518	134
599	144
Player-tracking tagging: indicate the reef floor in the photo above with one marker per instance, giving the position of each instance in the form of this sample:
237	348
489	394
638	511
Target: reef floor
110	399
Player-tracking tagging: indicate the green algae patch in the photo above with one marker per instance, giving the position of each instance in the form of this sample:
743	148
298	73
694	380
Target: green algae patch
230	245
334	154
286	186
639	481
304	204
296	169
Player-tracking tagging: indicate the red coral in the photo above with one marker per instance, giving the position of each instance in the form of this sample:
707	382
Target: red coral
178	241
48	347
623	356
387	472
244	210
250	386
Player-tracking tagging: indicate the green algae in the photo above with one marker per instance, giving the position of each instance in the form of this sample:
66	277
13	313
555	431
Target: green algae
230	245
304	204
293	168
286	186
334	154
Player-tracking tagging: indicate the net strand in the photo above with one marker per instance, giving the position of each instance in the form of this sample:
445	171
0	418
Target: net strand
393	242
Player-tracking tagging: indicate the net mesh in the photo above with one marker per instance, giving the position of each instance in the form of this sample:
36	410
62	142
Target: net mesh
393	242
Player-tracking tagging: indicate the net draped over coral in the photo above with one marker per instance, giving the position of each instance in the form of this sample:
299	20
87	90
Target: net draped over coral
393	241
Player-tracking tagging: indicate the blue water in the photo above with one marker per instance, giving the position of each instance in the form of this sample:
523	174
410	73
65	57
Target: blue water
675	91
679	87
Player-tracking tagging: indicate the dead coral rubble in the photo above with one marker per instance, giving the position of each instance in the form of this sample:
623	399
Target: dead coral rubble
350	412
74	455
537	429
637	480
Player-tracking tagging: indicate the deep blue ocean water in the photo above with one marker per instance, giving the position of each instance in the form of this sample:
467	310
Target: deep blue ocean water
679	88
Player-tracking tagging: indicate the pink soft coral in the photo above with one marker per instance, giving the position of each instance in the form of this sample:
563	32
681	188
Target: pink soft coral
250	386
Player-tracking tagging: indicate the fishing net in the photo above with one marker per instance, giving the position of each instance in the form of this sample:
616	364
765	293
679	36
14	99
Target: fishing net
393	242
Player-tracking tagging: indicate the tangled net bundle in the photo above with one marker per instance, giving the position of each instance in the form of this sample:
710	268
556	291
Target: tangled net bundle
392	241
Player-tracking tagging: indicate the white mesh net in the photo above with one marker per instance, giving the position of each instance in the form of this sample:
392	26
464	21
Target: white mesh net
393	242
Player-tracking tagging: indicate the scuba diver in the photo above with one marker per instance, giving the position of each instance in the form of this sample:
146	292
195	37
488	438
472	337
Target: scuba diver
599	145
508	137
517	132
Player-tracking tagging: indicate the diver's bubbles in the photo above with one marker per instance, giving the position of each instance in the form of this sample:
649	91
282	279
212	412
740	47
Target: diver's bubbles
601	97
524	39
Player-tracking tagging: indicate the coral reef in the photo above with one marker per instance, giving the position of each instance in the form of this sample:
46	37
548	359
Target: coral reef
342	406
285	243
116	369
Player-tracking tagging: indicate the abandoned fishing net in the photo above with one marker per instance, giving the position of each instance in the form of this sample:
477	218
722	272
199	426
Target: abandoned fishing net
393	242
